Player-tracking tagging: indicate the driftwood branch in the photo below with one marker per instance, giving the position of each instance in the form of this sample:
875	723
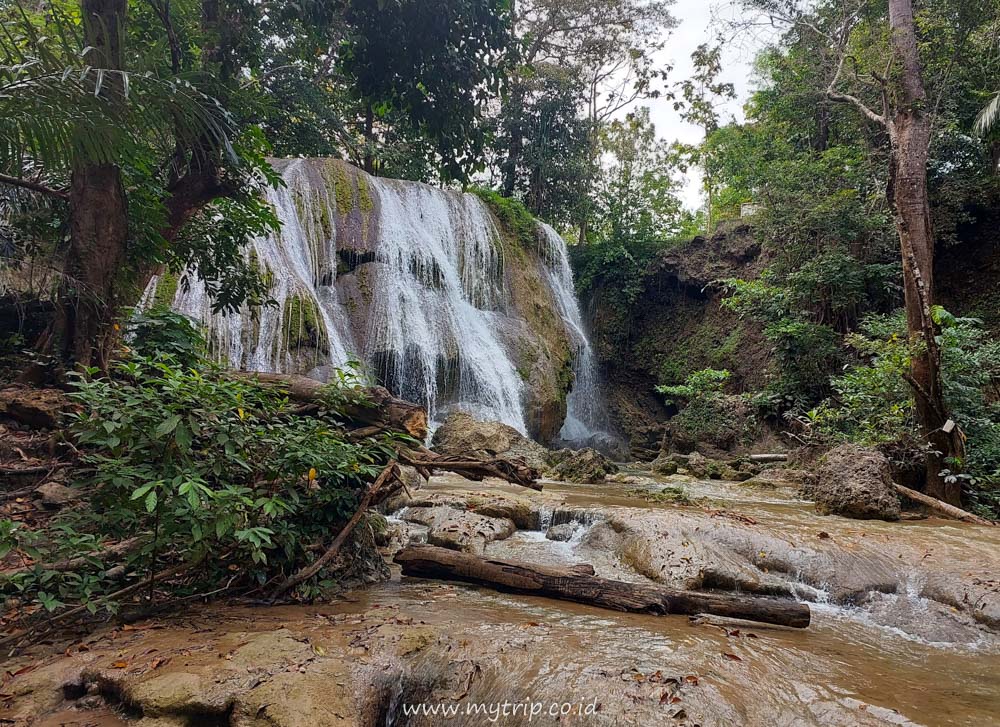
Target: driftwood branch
471	468
387	483
942	508
580	585
380	408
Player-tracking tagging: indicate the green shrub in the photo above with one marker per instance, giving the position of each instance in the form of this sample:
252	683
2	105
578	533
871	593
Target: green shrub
199	467
873	403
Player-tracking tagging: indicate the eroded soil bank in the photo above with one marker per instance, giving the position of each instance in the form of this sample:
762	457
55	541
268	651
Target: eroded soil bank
905	620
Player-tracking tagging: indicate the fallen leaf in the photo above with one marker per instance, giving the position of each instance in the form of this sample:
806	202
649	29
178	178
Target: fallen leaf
732	657
691	679
119	665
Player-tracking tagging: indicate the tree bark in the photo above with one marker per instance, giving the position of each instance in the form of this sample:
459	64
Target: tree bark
382	410
92	287
910	137
576	584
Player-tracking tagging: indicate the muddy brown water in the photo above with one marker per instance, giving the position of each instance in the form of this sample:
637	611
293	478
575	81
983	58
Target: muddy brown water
897	660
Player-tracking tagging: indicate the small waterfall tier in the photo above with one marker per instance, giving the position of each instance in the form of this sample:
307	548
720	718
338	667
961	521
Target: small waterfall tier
425	288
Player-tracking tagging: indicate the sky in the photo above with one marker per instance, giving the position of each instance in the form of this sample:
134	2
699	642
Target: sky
698	22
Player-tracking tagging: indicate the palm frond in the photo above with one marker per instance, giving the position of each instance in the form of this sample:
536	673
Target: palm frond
988	117
56	108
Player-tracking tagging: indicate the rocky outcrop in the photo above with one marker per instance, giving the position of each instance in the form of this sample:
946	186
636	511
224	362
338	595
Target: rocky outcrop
582	465
854	482
461	434
459	529
679	328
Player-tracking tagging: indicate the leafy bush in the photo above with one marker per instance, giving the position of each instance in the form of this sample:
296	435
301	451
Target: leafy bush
708	415
162	331
873	404
199	468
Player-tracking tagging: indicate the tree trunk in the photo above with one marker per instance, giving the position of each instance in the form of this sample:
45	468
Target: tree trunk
369	161
577	584
381	409
910	136
91	291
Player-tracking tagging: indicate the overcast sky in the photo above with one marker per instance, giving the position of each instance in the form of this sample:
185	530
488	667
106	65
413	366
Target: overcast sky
699	23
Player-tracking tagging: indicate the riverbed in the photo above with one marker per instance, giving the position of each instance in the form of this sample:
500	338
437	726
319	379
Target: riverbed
903	630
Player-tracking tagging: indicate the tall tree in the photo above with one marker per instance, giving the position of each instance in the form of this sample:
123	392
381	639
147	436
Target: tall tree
891	94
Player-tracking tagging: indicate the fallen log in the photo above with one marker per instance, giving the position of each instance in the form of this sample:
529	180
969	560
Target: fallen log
379	408
768	458
942	508
574	584
514	471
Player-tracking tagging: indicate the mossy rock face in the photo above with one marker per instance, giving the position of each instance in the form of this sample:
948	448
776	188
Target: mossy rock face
303	330
355	203
166	290
536	334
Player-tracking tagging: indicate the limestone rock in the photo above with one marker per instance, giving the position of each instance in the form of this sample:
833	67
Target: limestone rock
54	495
855	482
458	529
561	533
664	465
584	465
463	435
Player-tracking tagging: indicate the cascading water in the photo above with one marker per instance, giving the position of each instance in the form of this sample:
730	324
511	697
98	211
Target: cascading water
586	412
436	300
430	313
300	260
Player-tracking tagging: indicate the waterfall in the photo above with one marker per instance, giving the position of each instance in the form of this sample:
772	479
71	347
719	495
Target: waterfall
438	298
300	261
420	298
586	411
437	303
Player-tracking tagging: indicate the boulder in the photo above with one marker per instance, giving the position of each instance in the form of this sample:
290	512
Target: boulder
703	468
459	529
33	407
562	533
583	465
665	464
854	482
716	424
463	435
54	495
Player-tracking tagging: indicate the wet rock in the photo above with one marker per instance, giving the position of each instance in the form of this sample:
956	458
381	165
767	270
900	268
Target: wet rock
584	465
664	465
463	435
54	495
519	510
459	530
724	423
703	468
562	533
855	482
34	407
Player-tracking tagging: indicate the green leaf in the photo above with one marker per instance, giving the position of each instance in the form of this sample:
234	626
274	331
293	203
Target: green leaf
151	501
168	426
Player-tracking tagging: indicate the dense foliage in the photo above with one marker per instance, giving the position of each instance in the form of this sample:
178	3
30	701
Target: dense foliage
210	475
